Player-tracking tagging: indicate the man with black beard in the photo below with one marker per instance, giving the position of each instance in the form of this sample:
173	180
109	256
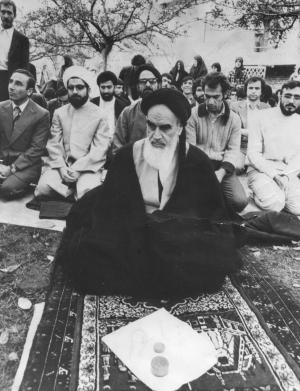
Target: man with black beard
79	141
107	101
131	125
274	154
198	93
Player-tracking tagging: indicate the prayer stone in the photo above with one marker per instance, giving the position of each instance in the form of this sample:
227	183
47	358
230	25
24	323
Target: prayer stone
159	366
159	347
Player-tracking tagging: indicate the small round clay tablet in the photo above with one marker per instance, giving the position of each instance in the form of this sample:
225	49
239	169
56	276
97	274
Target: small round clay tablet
159	366
159	347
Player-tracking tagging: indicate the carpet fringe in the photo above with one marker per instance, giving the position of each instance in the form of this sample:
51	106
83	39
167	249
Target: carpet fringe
37	315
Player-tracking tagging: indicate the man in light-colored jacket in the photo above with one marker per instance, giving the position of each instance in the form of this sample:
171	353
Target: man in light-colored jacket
274	154
78	144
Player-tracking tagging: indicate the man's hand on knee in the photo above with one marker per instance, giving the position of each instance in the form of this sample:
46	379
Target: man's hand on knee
74	174
66	175
4	171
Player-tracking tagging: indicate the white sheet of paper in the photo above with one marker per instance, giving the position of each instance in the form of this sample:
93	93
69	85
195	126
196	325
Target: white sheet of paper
190	354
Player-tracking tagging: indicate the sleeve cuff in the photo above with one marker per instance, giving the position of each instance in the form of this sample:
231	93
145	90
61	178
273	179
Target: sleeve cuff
228	167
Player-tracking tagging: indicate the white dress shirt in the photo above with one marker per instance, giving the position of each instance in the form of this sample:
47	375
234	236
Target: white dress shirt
108	108
5	42
252	112
22	106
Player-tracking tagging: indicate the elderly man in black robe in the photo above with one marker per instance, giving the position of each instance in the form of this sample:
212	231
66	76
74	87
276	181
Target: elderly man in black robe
154	228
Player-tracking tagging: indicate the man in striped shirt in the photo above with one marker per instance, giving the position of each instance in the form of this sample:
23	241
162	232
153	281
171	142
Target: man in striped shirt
216	130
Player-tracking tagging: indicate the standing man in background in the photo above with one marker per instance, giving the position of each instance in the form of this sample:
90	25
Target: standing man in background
107	101
14	46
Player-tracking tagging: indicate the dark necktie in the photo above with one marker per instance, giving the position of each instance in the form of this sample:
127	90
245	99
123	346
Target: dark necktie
16	113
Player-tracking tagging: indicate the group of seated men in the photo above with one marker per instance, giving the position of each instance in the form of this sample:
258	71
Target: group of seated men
69	157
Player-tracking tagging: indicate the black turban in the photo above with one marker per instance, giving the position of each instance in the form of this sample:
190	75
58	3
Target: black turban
147	67
173	99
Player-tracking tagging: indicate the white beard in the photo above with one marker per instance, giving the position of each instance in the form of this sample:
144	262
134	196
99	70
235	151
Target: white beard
160	158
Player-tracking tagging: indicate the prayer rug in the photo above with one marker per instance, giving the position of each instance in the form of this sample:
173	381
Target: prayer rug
253	325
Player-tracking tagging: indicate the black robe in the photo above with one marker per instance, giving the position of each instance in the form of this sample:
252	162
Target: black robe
111	246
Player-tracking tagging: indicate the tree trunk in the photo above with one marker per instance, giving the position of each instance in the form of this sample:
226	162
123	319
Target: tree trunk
266	35
105	54
262	37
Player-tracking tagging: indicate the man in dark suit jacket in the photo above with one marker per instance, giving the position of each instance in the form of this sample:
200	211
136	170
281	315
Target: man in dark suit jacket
111	105
24	131
14	53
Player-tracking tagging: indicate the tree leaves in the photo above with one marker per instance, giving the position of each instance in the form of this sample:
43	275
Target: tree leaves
62	25
275	16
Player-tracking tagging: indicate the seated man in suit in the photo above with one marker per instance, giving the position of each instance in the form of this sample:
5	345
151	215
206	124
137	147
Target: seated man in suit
14	53
24	131
247	111
79	141
107	101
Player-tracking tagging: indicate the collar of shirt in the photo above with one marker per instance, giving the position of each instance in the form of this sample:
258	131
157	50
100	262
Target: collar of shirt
252	106
22	106
106	104
8	31
213	117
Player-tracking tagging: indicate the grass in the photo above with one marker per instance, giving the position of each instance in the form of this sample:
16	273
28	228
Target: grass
30	248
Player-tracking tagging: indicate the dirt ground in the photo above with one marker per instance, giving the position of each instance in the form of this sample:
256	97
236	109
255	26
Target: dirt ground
34	249
281	262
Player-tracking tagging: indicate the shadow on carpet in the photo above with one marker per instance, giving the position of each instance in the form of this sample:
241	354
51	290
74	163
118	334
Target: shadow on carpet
252	322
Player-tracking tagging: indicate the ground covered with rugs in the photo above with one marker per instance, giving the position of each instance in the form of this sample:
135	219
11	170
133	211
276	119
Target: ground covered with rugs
253	321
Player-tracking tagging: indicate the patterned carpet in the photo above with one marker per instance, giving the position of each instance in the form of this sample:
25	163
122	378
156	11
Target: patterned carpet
253	324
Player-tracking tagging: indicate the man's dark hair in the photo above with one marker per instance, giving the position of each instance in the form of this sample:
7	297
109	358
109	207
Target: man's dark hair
167	75
119	82
31	81
105	76
213	79
240	93
197	83
62	91
289	85
217	65
49	93
9	3
138	60
32	70
254	79
186	78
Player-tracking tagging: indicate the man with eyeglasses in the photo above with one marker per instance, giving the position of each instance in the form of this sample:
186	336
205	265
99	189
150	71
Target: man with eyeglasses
78	144
131	125
274	154
216	130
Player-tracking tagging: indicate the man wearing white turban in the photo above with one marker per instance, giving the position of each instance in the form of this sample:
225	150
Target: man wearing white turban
78	143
